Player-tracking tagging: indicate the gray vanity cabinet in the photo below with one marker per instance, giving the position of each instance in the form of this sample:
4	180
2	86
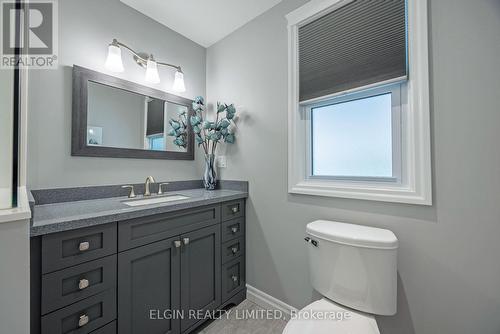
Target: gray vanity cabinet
148	281
162	278
200	273
155	274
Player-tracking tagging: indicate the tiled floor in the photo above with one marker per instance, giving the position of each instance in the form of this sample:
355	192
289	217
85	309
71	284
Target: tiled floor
234	324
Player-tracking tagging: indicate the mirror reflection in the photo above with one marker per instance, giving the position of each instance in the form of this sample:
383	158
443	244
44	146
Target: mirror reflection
123	119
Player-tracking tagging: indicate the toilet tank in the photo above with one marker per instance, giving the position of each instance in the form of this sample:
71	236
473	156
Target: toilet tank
354	265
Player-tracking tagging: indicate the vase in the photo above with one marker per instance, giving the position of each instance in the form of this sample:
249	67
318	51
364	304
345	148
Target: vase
210	176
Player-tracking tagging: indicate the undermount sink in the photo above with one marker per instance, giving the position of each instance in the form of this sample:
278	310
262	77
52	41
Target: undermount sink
155	200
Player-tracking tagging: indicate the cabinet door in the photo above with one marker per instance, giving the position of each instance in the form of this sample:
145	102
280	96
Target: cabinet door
149	289
201	273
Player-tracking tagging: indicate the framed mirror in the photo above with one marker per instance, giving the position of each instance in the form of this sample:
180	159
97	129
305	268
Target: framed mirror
116	118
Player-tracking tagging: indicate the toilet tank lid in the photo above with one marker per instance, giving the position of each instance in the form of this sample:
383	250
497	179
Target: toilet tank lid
354	235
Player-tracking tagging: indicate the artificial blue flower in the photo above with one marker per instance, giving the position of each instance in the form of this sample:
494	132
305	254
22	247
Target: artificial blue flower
224	123
230	138
195	120
199	100
175	125
196	129
215	136
208	125
221	107
179	141
231	109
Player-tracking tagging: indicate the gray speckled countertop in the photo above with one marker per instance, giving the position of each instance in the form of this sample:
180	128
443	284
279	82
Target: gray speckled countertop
58	217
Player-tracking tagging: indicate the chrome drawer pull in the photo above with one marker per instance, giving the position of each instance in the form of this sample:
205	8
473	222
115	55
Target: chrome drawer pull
84	319
84	246
83	284
186	241
234	250
234	278
234	229
177	243
235	209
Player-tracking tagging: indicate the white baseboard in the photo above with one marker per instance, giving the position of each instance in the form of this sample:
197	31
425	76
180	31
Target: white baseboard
268	302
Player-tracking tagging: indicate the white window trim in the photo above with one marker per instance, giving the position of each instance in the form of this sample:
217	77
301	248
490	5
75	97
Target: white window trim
416	184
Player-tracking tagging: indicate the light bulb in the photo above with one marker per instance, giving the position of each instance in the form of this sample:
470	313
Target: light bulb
114	61
152	75
179	82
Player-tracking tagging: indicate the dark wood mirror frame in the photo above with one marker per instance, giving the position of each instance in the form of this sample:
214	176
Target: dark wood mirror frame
79	147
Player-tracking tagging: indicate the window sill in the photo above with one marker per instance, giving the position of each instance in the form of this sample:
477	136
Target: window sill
22	212
362	191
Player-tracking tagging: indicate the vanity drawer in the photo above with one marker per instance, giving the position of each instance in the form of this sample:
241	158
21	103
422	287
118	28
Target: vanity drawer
233	277
108	329
233	229
70	285
234	209
82	317
145	230
232	249
65	249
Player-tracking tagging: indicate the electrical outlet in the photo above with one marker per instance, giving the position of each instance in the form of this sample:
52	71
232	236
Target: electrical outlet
221	161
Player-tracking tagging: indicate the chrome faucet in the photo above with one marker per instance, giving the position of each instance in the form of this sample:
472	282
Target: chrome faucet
149	180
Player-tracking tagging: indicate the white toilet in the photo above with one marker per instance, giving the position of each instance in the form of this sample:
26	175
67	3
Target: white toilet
355	268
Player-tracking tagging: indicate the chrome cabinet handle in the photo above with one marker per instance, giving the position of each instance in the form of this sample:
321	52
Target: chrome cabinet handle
234	229
177	243
83	246
84	319
186	241
83	284
234	250
160	188
132	192
234	278
235	209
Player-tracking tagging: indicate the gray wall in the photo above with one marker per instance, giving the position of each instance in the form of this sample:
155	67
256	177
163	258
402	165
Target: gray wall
85	29
6	136
448	260
14	277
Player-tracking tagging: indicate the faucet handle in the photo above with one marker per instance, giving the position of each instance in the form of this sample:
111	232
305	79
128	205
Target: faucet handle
160	188
132	192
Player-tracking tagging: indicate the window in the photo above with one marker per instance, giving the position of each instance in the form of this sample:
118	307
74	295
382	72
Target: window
156	142
358	109
357	137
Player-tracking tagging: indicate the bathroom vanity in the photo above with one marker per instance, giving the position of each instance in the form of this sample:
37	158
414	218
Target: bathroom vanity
100	266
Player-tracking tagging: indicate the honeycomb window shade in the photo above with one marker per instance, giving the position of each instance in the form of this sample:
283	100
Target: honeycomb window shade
361	43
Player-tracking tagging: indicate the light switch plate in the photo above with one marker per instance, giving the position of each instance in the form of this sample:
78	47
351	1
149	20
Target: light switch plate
221	161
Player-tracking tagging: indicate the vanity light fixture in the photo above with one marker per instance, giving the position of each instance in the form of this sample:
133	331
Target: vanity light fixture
114	63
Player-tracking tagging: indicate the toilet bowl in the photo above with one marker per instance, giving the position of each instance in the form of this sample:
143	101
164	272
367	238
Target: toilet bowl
355	268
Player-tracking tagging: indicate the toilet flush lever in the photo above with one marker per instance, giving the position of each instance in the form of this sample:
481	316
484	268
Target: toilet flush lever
311	241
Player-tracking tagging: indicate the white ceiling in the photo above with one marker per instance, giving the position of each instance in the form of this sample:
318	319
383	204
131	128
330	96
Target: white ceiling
203	21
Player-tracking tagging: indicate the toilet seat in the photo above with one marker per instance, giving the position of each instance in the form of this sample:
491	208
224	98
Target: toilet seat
308	320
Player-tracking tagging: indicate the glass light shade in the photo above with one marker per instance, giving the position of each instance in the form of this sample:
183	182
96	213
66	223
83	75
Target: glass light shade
179	82
114	61
152	75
